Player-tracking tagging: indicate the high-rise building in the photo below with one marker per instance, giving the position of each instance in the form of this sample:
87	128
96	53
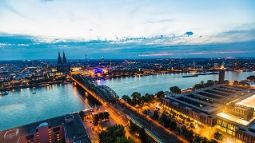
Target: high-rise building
221	76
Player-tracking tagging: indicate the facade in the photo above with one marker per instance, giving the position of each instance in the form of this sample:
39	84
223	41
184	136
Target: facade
44	134
65	129
219	106
241	111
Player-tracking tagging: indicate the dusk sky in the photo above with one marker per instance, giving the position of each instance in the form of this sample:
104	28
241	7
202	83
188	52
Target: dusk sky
115	29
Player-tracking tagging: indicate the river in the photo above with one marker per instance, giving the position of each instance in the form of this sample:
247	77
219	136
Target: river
154	83
25	106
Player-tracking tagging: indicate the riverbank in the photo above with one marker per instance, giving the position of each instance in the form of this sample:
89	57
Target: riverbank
141	74
35	85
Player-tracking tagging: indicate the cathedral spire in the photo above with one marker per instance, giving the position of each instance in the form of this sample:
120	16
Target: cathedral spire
64	58
59	59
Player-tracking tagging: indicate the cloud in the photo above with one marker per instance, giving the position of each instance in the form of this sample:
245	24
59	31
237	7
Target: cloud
219	52
189	33
155	55
47	0
29	47
12	9
152	21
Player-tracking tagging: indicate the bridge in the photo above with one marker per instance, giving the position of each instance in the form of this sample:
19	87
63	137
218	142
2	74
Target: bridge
123	112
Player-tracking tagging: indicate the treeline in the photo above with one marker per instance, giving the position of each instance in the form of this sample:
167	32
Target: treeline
134	129
169	122
100	117
251	78
203	84
137	99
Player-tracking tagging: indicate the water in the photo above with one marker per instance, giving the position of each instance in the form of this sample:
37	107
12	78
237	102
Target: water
23	107
155	83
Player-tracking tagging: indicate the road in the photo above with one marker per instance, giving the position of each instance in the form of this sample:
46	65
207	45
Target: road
163	135
120	110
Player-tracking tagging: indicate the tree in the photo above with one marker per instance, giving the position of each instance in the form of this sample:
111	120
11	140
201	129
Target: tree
218	136
81	113
188	134
203	85
197	139
210	83
95	119
143	136
123	140
235	82
226	82
114	134
165	120
160	94
173	124
175	90
251	78
106	115
133	127
126	98
147	97
136	98
155	115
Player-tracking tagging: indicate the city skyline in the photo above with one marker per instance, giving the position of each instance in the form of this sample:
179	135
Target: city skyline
128	29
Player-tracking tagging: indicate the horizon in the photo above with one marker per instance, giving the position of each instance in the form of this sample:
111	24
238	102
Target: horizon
131	59
129	29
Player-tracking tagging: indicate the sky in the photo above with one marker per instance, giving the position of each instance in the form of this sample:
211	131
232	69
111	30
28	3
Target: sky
38	29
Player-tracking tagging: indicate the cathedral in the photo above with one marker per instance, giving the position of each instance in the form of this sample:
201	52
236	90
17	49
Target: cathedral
62	65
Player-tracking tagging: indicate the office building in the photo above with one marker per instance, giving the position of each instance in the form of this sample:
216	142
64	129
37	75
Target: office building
227	108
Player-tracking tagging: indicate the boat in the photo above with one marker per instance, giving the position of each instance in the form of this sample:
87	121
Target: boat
3	93
213	73
185	76
202	73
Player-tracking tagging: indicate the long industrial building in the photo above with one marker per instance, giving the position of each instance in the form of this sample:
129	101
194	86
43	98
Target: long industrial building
229	109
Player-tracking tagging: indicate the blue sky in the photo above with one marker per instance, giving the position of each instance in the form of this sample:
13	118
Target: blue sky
127	28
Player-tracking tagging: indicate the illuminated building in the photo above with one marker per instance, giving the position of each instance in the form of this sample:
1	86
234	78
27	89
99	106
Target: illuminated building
229	109
62	65
65	129
44	134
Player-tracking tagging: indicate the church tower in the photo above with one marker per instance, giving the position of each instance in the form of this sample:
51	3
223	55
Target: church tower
62	65
59	59
64	61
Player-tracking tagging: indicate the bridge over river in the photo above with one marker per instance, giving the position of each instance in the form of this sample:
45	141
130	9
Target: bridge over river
123	112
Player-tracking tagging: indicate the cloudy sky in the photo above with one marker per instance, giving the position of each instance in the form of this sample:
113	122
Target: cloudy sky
31	29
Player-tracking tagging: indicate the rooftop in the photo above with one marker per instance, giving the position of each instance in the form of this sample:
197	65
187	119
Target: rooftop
249	102
233	118
74	129
210	100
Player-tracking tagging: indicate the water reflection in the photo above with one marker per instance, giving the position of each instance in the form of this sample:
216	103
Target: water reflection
22	107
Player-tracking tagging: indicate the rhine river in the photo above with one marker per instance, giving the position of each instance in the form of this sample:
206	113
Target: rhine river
154	83
22	107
